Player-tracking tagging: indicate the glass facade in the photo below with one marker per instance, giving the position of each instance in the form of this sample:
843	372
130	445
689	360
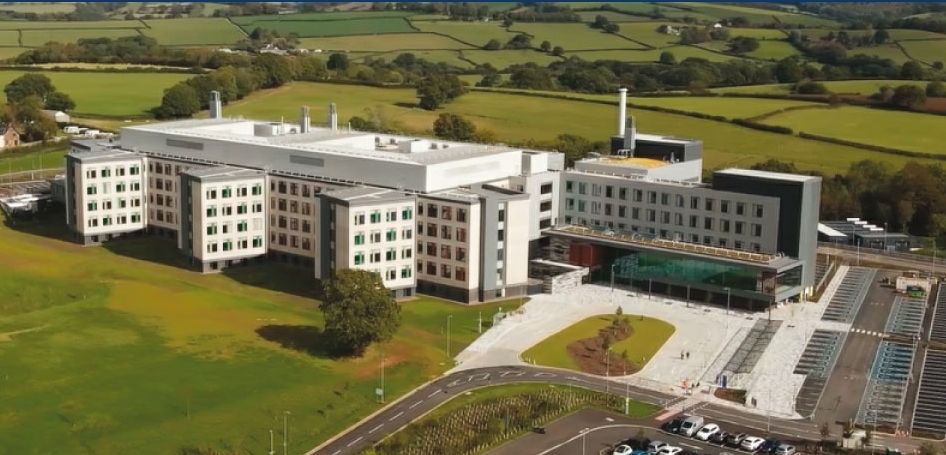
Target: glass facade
667	268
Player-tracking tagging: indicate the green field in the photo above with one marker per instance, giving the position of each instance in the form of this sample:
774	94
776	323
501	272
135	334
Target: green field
36	38
10	52
328	24
907	34
867	87
383	43
9	38
29	161
926	51
448	57
110	94
198	31
504	59
755	15
574	37
516	118
649	336
474	33
646	32
900	130
40	8
106	353
613	16
758	33
773	50
53	26
679	52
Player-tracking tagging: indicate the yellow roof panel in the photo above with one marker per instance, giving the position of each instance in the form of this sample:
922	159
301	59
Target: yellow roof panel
643	162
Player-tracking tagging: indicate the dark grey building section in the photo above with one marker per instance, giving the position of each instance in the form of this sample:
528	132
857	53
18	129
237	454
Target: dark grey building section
663	148
799	204
186	202
494	208
70	202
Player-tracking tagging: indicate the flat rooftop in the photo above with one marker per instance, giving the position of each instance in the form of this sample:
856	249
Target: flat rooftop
634	162
771	260
98	153
665	139
367	195
222	173
768	175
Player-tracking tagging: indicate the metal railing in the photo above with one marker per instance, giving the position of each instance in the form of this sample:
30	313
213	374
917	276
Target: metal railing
891	254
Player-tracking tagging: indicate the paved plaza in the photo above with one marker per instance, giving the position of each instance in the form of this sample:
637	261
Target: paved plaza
755	353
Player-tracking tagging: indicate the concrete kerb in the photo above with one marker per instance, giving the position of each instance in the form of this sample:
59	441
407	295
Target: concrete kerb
373	415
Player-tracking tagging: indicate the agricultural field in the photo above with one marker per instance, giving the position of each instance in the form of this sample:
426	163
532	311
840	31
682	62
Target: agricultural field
755	15
9	38
109	94
10	52
518	118
18	162
448	57
679	52
613	16
328	24
773	50
189	32
475	33
648	336
504	59
866	87
901	130
40	8
383	43
56	26
575	37
36	38
926	51
102	346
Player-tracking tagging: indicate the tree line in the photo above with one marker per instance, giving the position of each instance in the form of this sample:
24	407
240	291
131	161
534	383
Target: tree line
27	97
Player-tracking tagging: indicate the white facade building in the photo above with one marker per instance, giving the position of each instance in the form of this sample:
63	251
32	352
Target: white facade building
106	193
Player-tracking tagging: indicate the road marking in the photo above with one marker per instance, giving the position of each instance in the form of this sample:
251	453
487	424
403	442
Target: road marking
479	377
398	415
512	373
376	428
432	394
544	375
691	446
355	441
415	404
337	452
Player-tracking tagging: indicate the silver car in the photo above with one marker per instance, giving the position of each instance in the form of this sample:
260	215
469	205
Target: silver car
785	449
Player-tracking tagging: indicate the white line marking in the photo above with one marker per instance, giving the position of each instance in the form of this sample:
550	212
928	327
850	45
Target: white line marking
376	428
398	415
353	442
691	446
432	394
415	404
337	452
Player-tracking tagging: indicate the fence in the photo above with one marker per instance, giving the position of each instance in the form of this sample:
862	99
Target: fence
891	254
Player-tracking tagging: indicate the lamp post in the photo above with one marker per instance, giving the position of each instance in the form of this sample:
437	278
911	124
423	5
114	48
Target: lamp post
612	283
607	370
583	433
627	393
285	433
728	299
271	449
449	317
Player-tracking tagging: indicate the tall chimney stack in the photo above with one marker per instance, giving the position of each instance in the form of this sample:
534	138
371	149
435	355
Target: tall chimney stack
304	121
216	107
622	110
332	117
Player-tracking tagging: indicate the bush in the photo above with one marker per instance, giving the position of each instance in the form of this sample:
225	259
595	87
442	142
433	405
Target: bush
876	148
763	127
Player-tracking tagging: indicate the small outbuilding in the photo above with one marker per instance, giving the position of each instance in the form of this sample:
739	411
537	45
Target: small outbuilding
56	116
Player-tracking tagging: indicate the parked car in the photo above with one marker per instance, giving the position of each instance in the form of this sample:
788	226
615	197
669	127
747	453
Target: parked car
635	443
670	450
691	425
752	443
707	431
735	439
673	426
623	450
719	437
769	445
655	446
785	449
639	452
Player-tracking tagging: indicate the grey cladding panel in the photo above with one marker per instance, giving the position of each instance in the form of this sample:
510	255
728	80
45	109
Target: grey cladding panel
306	160
184	144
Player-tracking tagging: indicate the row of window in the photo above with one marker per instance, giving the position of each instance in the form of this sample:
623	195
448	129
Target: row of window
445	232
293	241
106	172
227	209
445	252
106	204
161	184
666	218
670	235
666	199
110	220
292	224
120	187
444	212
159	168
227	228
375	256
446	270
165	216
293	206
407	213
215	246
294	189
161	200
391	273
228	191
389	236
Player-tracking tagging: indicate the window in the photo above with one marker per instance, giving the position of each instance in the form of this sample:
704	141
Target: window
212	247
447	213
740	208
91	189
708	223
360	238
546	188
739	227
359	219
678	219
390	254
708	205
546	206
134	170
431	230
679	200
212	211
609	191
581	205
294	224
501	215
694	221
420	209
757	208
407	213
651	216
135	186
306	192
446	232
461	235
635	213
406	272
257	242
359	258
406	234
227	245
501	235
724	225
227	192
446	271
294	189
407	253
211	193
375	236
241	226
724	206
391	235
242	209
227	209
737	245
92	206
212	229
638	196
390	274
135	217
460	274
258	207
282	187
241	191
390	215
306	226
652	197
432	210
461	254
431	268
375	256
622	193
607	209
582	188
375	217
446	252
569	186
120	187
293	206
757	230
258	189
622	211
595	189
431	249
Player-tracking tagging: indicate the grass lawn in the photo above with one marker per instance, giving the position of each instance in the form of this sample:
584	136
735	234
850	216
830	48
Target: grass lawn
575	37
383	43
926	51
36	38
915	132
649	336
518	118
680	52
312	28
109	94
320	17
773	50
867	87
646	32
9	38
907	34
197	31
46	159
104	352
637	409
475	33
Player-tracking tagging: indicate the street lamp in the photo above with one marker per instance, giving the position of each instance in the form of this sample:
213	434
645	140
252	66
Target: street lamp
728	299
285	433
271	450
449	317
583	433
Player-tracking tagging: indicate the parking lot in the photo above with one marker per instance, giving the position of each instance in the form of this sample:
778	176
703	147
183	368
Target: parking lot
882	404
930	413
816	363
938	326
847	301
907	315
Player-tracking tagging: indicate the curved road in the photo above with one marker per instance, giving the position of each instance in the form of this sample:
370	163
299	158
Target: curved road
429	396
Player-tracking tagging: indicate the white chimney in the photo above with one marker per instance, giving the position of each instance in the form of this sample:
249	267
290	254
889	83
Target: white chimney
332	117
216	107
622	110
304	121
630	134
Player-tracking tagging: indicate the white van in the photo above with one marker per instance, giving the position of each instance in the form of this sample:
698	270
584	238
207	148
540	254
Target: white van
691	425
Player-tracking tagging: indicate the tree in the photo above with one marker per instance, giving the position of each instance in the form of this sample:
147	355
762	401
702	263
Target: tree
179	101
272	70
439	89
880	36
936	89
600	22
612	27
545	46
493	45
29	84
811	88
358	311
788	70
912	70
667	58
743	45
59	101
520	41
338	62
908	97
454	127
490	79
558	51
